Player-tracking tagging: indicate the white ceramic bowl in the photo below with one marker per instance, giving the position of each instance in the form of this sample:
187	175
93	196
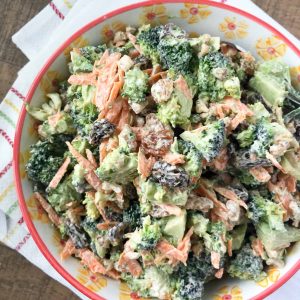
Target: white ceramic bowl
216	19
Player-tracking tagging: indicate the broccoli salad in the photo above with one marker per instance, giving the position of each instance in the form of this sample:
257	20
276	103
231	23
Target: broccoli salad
167	161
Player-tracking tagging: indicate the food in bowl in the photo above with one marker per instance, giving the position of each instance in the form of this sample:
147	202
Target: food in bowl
168	161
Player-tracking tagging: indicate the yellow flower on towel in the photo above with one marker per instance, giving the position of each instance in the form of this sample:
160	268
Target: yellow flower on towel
271	47
93	282
195	12
229	293
109	30
234	29
154	15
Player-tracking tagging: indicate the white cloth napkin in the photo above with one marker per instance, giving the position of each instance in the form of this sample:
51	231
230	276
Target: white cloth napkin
38	39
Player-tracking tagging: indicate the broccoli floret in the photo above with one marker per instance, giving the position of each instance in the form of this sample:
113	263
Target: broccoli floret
261	209
246	137
190	279
78	179
63	194
63	125
199	222
45	160
214	238
132	215
135	85
83	115
47	109
174	49
148	39
193	158
168	45
90	227
246	265
83	59
273	81
150	234
277	240
291	164
151	192
91	209
208	141
238	236
118	167
176	110
154	283
217	77
264	134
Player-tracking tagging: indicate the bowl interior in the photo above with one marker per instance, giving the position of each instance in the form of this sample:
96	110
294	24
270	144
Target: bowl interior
215	19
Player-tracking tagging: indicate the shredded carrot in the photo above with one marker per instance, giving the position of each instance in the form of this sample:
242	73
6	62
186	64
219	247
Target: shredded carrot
182	86
287	181
106	79
156	69
59	174
221	161
215	259
171	209
220	273
185	244
53	216
54	119
148	71
102	150
89	259
112	111
130	265
132	39
83	162
145	165
68	250
275	162
154	78
174	158
93	180
231	195
258	247
91	157
260	174
83	79
106	225
125	116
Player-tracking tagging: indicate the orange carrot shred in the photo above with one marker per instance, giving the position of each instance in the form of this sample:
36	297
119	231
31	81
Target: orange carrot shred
91	157
59	174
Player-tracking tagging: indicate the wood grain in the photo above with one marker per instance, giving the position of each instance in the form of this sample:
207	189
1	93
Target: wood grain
18	278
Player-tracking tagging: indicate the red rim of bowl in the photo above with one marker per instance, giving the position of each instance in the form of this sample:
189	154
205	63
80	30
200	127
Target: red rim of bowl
43	248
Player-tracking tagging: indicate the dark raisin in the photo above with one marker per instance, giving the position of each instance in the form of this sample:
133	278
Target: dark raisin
116	233
243	159
76	234
169	175
240	191
101	129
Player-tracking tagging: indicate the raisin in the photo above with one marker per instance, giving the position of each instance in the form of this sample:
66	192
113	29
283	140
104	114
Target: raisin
76	234
156	137
169	175
101	129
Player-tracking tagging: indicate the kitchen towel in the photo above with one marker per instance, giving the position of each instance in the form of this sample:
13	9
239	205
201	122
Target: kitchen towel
38	39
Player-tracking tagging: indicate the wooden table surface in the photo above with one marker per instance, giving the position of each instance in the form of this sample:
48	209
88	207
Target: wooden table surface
18	278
